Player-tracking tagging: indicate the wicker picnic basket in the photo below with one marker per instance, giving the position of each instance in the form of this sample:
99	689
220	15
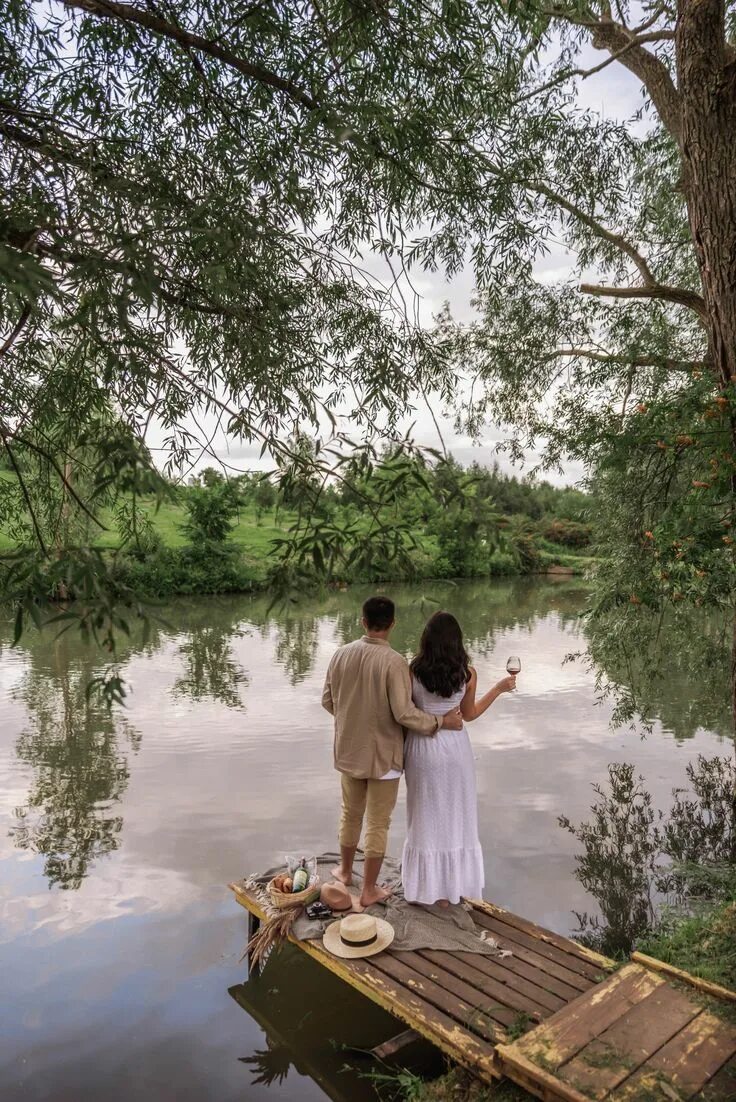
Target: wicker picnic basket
282	900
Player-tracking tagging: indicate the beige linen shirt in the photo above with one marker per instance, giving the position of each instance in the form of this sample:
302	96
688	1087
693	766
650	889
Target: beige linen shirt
368	691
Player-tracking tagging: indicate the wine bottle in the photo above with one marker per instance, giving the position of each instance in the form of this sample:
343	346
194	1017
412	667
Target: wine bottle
301	876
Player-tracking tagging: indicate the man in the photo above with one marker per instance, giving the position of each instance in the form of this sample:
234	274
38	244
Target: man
368	691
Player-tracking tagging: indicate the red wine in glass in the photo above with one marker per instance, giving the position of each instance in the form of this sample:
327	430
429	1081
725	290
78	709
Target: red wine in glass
513	665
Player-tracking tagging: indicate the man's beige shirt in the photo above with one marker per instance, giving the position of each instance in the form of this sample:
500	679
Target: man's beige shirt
368	691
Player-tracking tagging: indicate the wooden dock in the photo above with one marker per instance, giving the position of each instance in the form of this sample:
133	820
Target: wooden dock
555	1017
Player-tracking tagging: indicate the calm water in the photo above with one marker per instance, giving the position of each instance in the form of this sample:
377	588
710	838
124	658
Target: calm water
119	942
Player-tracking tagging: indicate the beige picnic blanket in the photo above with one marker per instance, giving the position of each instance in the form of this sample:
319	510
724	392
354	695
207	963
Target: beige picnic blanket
416	926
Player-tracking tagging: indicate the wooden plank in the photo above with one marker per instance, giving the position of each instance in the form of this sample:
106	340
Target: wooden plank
561	1037
489	984
443	1031
722	1087
395	1044
542	1084
615	1054
546	957
566	944
685	1064
555	988
457	1000
543	965
714	989
522	978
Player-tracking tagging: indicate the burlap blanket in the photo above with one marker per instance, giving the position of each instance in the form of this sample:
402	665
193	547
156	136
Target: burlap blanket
416	926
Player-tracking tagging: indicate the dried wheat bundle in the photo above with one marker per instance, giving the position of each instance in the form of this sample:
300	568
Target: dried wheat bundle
270	935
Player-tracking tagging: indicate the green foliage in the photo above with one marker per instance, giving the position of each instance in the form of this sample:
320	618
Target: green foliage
703	944
621	847
210	514
633	855
569	533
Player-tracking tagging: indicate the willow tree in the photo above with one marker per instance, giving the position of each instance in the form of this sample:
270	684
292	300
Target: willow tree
630	362
188	192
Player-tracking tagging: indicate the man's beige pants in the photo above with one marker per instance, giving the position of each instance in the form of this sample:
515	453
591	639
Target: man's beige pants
376	801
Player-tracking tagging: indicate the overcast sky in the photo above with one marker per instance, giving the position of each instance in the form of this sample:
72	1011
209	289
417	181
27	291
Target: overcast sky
614	94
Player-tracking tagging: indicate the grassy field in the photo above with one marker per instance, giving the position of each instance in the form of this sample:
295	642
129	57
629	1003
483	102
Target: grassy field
255	530
252	532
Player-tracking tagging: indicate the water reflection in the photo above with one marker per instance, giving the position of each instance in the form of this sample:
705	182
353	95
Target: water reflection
673	667
210	670
78	751
73	746
316	1026
635	857
121	987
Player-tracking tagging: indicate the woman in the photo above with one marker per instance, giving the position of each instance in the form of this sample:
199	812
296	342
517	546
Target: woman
443	860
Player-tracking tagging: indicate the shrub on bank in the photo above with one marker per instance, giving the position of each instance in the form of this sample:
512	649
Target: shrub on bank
188	570
568	533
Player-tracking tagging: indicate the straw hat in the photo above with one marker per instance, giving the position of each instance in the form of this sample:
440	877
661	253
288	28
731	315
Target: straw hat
337	897
358	935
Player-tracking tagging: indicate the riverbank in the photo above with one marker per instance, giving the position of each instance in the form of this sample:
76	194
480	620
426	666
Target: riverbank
234	568
219	537
167	565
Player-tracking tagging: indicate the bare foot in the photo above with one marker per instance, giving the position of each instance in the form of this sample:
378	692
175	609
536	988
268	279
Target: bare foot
376	894
345	878
442	903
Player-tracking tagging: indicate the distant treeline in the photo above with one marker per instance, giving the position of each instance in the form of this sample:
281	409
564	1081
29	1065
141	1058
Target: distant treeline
453	522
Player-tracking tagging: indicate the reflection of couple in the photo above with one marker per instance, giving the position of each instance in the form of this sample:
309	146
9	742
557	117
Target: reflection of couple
374	695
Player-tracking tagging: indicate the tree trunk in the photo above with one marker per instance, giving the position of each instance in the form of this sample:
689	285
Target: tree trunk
706	70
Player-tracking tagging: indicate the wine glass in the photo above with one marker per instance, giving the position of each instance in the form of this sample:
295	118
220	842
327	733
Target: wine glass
513	666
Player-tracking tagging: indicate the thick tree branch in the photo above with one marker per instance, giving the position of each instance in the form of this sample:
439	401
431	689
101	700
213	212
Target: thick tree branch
651	71
127	13
679	295
607	34
568	74
616	239
16	330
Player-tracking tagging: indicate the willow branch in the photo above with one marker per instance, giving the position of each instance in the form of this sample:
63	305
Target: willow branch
65	481
615	239
24	491
128	13
629	361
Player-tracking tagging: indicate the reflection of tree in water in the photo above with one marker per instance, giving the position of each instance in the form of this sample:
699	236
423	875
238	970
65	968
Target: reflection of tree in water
671	667
211	671
483	609
270	1065
71	743
296	646
633	856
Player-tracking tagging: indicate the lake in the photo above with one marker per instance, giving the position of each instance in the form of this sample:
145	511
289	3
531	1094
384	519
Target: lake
119	941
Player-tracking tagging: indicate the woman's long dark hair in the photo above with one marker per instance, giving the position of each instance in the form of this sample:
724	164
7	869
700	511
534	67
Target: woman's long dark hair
442	664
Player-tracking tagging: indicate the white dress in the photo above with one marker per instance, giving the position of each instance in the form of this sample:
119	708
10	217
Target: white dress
442	856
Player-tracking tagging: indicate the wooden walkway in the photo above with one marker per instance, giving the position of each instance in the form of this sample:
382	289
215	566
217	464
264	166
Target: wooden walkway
555	1017
634	1038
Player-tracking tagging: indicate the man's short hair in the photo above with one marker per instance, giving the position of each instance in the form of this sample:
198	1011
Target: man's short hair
379	613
